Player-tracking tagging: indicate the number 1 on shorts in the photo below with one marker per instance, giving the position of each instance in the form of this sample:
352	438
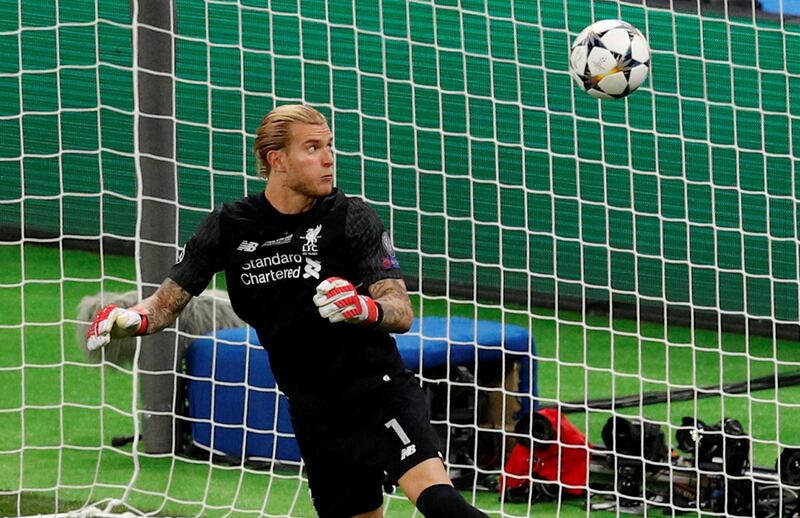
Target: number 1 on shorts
394	425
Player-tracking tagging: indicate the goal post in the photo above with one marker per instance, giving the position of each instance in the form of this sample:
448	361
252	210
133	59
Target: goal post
649	245
157	215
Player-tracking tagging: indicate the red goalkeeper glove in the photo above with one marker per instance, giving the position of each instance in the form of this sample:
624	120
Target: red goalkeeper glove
338	300
115	322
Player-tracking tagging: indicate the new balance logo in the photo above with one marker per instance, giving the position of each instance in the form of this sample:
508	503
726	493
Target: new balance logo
312	268
408	451
247	246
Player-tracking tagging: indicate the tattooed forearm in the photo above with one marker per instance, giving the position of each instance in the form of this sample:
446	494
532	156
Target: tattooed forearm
164	306
393	298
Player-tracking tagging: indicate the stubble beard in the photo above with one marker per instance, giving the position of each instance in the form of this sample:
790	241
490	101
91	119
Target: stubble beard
315	190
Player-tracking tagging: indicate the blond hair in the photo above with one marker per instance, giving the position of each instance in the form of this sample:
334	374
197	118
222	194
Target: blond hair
274	131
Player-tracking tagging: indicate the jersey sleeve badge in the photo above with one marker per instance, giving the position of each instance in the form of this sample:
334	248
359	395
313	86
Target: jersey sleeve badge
389	261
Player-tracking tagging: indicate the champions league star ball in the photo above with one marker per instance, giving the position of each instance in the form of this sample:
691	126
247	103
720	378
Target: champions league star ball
609	59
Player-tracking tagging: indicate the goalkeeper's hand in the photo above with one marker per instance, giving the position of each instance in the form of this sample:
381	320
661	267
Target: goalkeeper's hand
115	322
338	301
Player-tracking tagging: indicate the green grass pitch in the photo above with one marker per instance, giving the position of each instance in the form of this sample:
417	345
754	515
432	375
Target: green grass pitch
55	407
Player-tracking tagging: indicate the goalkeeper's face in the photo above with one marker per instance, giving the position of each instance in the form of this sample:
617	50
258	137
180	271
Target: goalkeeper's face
309	160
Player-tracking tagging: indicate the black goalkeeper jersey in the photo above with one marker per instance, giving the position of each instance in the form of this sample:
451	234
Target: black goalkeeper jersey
273	263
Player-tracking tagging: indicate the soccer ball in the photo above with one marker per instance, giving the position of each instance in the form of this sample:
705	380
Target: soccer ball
609	59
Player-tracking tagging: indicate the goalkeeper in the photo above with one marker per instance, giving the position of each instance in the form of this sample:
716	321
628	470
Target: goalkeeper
314	273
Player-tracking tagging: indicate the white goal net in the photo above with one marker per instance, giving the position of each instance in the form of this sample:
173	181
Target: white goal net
629	261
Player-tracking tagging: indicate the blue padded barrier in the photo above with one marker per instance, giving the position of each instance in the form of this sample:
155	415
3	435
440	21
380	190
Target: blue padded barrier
429	338
243	374
241	367
784	7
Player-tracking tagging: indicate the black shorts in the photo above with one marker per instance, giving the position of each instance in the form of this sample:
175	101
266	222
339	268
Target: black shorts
350	454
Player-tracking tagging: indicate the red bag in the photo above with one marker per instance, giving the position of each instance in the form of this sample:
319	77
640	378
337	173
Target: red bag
564	459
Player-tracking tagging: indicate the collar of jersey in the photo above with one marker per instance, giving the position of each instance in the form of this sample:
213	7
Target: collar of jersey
290	219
